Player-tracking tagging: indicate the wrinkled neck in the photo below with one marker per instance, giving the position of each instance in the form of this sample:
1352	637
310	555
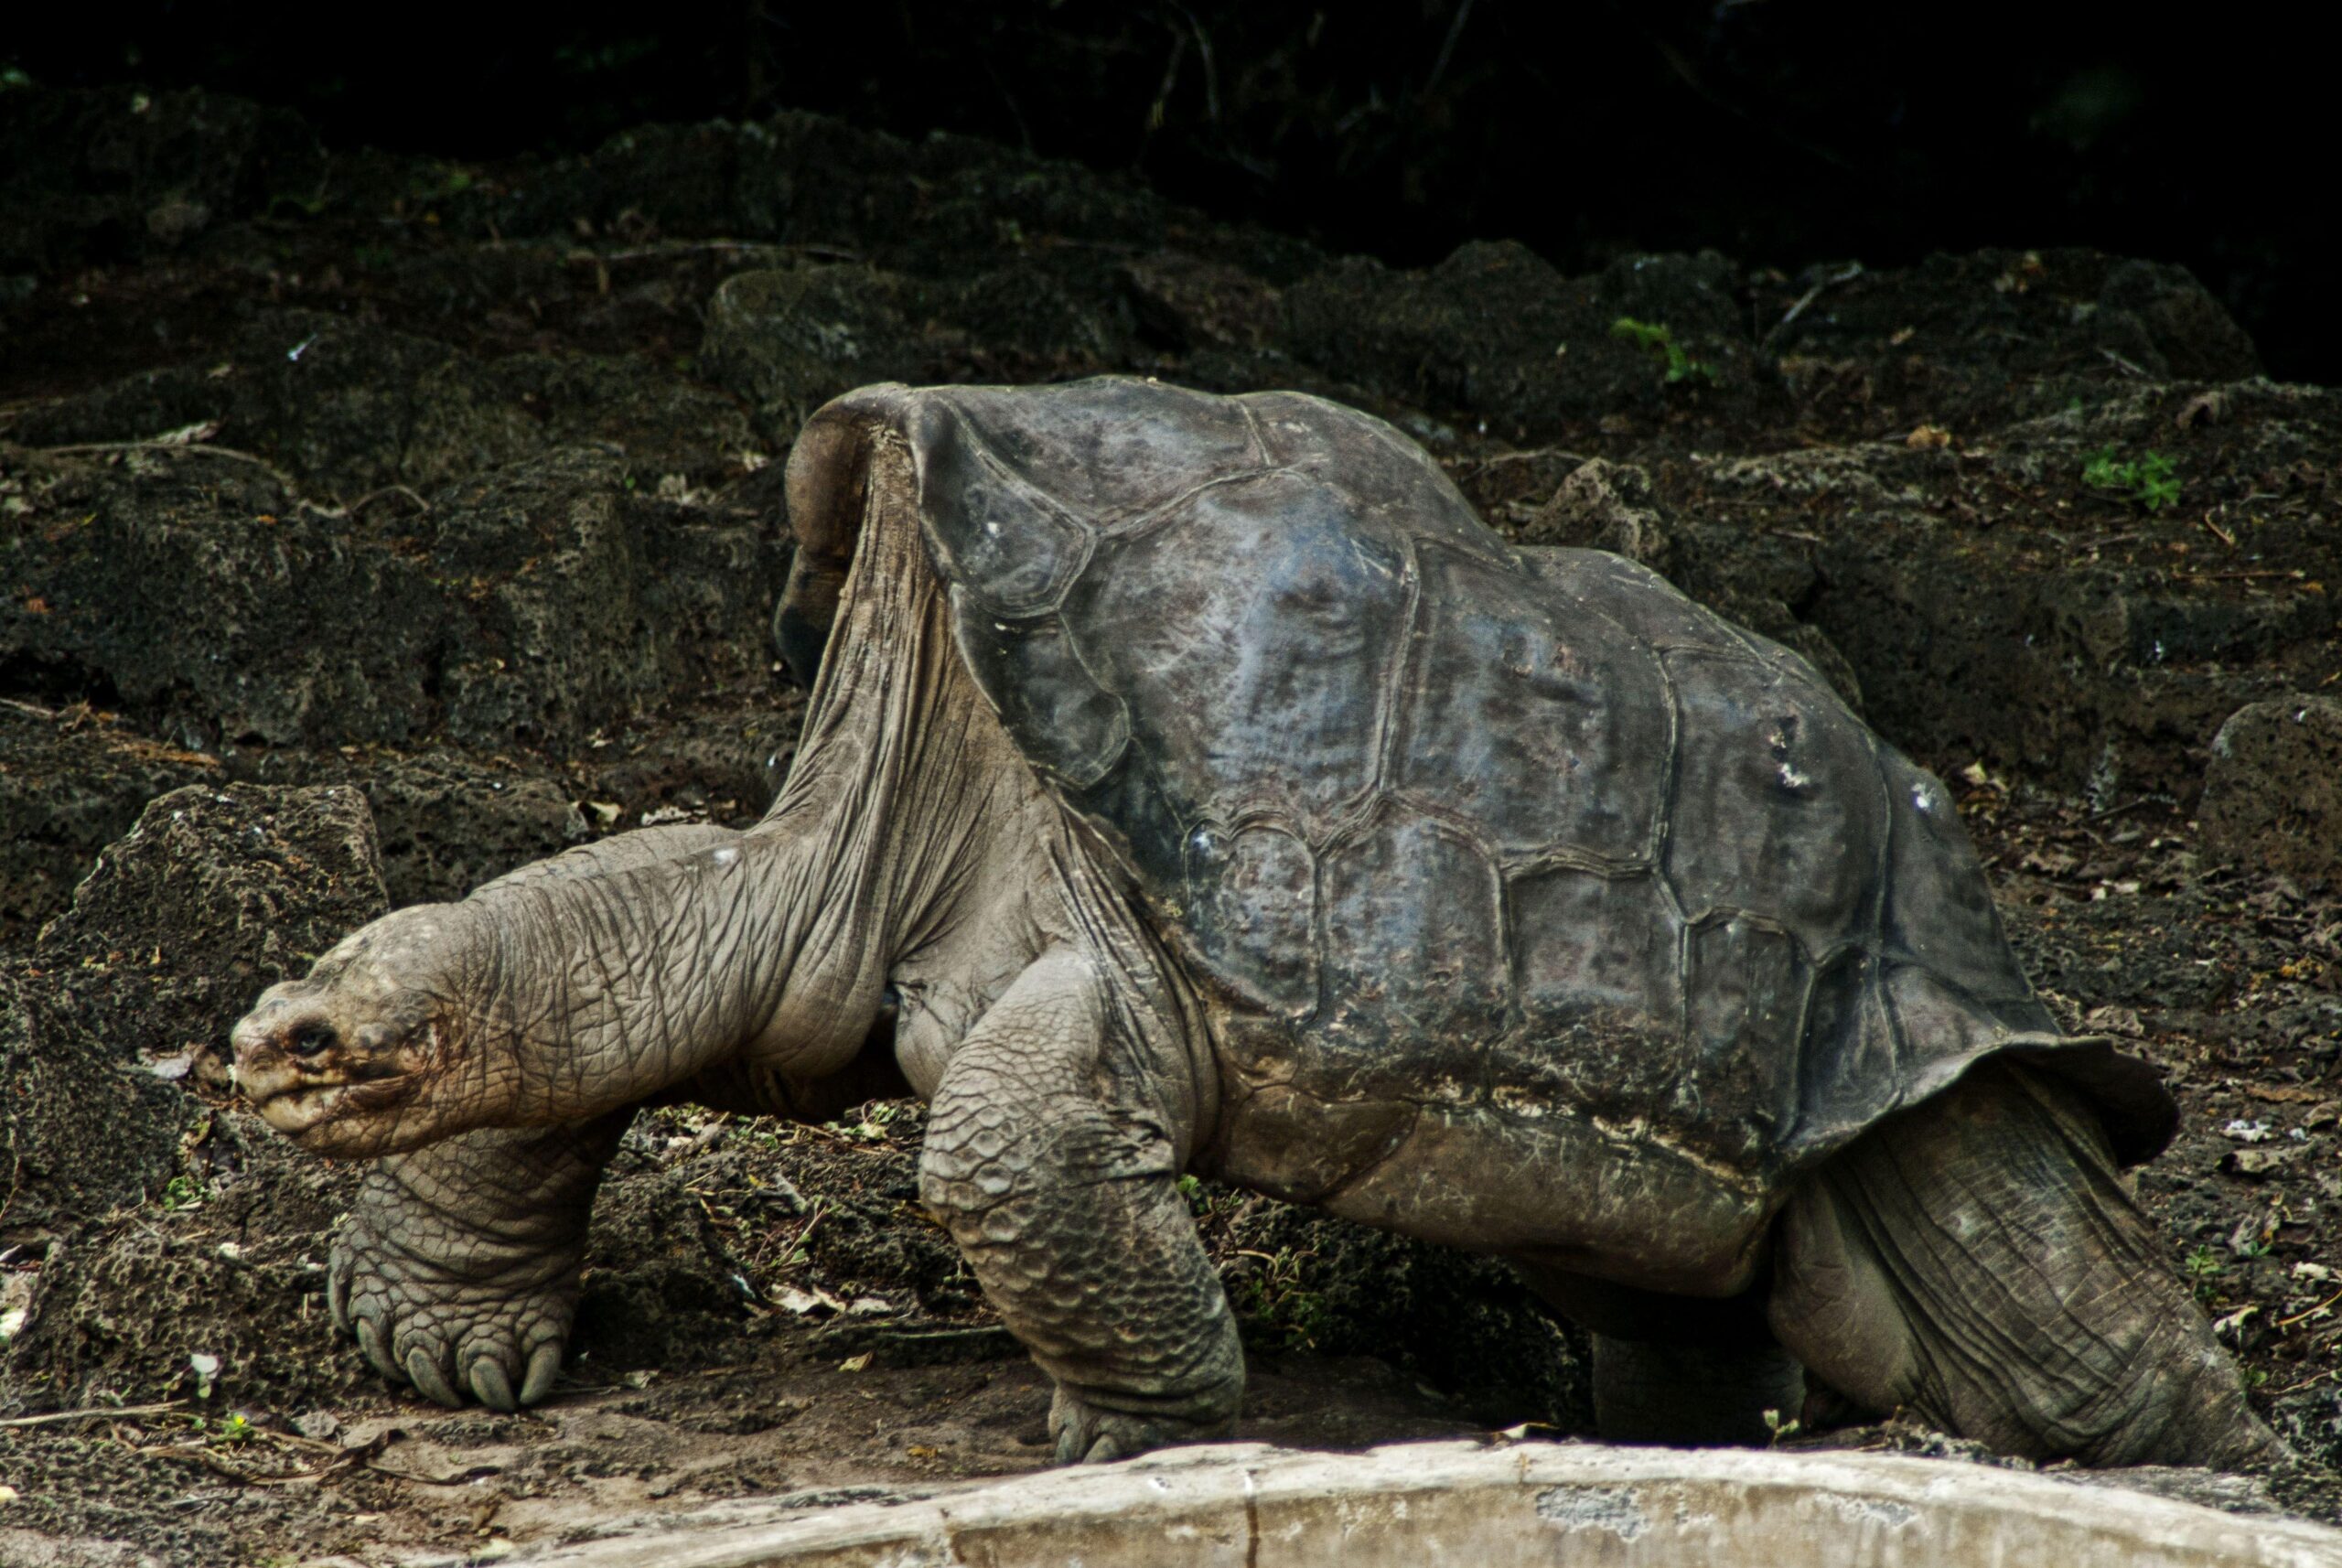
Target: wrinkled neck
908	796
773	946
613	985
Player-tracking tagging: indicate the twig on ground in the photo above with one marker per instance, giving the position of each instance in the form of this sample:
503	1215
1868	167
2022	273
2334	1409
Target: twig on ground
386	490
1847	273
2313	1312
96	1412
205	448
1491	459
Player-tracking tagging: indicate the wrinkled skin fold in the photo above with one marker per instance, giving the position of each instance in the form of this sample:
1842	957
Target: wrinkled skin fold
1192	783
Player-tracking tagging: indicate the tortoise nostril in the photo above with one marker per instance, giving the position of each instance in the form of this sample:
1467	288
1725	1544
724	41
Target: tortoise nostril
310	1040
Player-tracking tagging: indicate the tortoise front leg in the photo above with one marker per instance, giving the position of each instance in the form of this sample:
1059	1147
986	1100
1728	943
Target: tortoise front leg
456	1268
1063	1194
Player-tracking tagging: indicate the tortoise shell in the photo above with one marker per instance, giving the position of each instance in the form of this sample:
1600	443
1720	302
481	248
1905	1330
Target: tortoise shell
1528	822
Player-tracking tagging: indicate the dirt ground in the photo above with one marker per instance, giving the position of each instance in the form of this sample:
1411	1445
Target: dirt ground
370	524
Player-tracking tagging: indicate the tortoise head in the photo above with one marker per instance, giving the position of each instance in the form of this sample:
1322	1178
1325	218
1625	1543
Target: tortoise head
356	1058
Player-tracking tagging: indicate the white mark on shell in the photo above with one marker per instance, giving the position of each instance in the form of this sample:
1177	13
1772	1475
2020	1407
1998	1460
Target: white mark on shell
723	856
1923	796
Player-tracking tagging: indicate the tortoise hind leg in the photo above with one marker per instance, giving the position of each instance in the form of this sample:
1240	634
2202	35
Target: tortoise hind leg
1675	1369
1978	1261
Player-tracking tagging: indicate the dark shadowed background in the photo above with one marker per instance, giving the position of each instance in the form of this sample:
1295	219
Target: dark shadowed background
1779	133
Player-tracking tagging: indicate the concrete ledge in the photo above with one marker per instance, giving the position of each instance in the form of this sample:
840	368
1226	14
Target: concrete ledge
1250	1506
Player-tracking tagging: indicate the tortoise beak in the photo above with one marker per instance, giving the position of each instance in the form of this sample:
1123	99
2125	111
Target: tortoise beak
282	1042
301	1066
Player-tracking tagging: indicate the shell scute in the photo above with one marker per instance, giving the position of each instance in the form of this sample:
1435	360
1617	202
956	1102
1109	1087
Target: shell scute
1596	947
1777	809
1109	451
1253	905
1258	689
1547	732
1643	605
1413	936
1077	729
1746	986
996	535
1384	474
1939	910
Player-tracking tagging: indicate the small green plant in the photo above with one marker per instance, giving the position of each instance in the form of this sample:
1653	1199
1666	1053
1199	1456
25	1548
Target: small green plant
800	1249
1273	1298
1209	1204
1782	1428
1650	335
235	1429
2147	480
439	183
865	1124
2203	1267
182	1192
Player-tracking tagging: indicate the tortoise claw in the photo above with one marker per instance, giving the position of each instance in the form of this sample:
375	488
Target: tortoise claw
542	1367
429	1379
493	1388
377	1352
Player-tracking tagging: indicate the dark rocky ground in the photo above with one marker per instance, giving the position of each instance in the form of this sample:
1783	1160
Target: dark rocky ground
370	524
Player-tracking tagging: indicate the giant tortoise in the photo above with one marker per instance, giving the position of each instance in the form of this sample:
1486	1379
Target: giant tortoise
1193	783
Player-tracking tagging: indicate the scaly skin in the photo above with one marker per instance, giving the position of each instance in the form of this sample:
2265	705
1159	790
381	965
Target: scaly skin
1067	1206
1979	1261
457	1267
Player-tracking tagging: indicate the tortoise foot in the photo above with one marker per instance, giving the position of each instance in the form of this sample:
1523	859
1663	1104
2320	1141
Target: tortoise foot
1090	1434
497	1339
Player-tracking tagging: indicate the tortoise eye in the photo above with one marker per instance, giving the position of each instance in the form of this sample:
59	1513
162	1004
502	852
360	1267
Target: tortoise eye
310	1040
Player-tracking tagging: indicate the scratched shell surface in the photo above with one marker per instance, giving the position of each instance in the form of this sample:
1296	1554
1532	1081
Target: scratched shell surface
1528	825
